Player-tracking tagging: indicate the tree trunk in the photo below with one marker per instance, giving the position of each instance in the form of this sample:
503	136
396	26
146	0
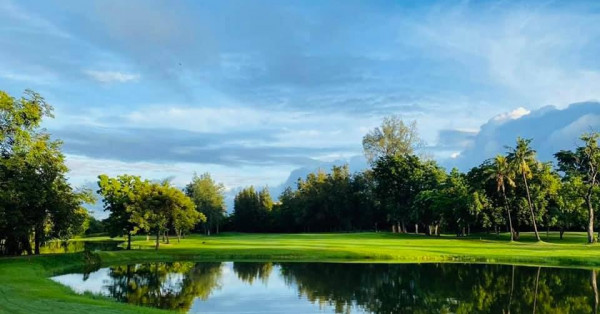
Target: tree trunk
437	230
148	236
562	231
167	235
26	245
595	289
163	236
512	287
37	239
468	229
590	227
129	240
537	281
393	228
416	228
512	231
157	239
537	235
403	227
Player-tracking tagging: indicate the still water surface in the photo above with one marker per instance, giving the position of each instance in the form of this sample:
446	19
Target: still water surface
244	287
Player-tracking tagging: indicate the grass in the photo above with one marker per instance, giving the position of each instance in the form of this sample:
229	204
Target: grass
25	287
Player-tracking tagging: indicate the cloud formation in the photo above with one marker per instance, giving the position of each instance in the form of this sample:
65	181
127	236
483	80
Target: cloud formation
251	91
551	129
111	76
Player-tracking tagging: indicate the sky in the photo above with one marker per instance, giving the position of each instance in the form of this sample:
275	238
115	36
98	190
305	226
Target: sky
253	91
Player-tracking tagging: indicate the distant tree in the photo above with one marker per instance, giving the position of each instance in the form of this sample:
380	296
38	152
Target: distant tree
545	186
502	175
522	157
95	226
158	207
183	215
570	208
584	163
209	199
251	210
393	138
118	197
399	179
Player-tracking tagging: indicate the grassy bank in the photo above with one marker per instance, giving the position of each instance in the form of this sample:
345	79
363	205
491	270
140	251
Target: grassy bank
24	287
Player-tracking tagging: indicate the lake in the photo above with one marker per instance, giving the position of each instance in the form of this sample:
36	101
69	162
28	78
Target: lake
249	287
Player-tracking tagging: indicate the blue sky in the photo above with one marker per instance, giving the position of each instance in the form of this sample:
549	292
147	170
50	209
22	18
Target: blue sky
251	90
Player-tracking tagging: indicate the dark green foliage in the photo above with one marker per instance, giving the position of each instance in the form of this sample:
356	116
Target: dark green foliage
251	210
209	199
36	202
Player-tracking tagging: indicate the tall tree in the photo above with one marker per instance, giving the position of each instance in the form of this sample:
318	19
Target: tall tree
393	138
209	199
502	174
584	163
522	157
35	199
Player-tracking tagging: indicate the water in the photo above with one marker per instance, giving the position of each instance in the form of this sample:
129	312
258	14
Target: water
340	288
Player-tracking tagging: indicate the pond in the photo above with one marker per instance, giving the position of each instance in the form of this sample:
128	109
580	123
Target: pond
235	287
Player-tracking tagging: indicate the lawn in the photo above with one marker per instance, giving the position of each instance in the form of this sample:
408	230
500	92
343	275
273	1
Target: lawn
25	287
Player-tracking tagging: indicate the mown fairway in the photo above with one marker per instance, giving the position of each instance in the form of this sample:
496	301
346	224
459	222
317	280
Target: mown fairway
24	287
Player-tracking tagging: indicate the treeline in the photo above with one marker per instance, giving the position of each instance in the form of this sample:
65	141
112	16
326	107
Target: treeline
404	192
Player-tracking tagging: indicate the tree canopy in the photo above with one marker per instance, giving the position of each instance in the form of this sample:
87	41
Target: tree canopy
36	201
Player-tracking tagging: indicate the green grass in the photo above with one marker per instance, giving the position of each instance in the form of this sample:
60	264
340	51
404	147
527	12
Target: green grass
25	287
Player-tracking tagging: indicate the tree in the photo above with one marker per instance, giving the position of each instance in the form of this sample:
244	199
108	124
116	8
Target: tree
251	210
209	199
183	215
393	138
118	197
521	157
158	207
501	173
399	179
584	163
35	199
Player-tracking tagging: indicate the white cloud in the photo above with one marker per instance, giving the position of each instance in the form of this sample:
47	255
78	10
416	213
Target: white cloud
512	115
83	170
112	76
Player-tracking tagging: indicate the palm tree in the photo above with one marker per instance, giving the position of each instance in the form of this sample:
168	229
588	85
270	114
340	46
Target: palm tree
520	157
501	172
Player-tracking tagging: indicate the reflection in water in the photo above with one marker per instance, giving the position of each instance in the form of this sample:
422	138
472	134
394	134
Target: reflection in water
314	287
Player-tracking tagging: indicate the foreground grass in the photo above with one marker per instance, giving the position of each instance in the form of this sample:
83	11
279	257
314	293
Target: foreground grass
25	287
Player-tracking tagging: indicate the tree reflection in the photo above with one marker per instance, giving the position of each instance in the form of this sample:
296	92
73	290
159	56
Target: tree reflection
249	271
164	285
376	288
444	288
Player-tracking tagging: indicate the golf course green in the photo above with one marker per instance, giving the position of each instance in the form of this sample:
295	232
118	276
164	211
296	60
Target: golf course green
25	286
